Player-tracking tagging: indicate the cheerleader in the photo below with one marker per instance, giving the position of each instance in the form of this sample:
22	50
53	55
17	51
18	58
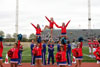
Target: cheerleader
51	21
61	57
1	50
97	55
44	52
37	52
13	52
38	30
63	28
94	45
33	57
73	47
51	51
90	47
58	46
77	52
69	53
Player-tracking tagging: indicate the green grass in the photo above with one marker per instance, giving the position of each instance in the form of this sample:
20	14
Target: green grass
27	54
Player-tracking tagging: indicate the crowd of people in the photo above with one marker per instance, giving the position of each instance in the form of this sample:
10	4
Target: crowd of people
38	49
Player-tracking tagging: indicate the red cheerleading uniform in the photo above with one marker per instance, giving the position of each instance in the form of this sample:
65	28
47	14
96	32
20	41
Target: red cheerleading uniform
62	57
1	48
77	52
51	23
37	51
15	51
63	28
38	30
97	53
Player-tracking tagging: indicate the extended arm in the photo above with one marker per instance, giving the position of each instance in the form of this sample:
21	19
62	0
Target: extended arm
18	44
57	25
1	45
67	23
34	26
47	19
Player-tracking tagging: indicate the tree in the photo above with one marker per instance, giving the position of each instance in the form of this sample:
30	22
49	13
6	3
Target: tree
14	35
8	36
32	36
24	39
2	33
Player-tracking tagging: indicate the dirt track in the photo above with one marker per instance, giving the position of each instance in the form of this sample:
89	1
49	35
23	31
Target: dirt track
28	65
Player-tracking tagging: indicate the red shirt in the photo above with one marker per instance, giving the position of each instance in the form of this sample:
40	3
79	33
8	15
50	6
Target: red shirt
38	50
63	28
51	22
94	45
38	30
97	53
15	51
1	48
90	44
97	44
63	56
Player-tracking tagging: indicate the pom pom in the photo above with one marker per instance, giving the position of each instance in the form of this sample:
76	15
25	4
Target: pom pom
80	39
10	53
19	36
1	38
39	39
63	40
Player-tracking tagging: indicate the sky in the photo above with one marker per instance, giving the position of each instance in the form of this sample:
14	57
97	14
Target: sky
35	11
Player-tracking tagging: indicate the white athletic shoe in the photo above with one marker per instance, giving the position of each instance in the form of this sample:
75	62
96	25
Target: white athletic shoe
69	65
74	62
97	62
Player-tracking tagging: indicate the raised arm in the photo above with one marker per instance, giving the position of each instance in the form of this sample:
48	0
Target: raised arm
57	25
67	23
40	45
19	39
81	44
47	19
34	26
18	44
1	45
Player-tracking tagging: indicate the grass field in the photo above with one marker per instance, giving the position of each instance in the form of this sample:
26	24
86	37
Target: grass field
27	54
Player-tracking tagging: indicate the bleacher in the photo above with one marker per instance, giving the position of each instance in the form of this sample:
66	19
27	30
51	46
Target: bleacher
72	34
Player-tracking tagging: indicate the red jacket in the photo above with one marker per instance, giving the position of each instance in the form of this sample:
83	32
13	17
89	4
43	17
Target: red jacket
61	55
77	52
38	30
51	23
1	48
15	51
97	53
63	28
37	51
